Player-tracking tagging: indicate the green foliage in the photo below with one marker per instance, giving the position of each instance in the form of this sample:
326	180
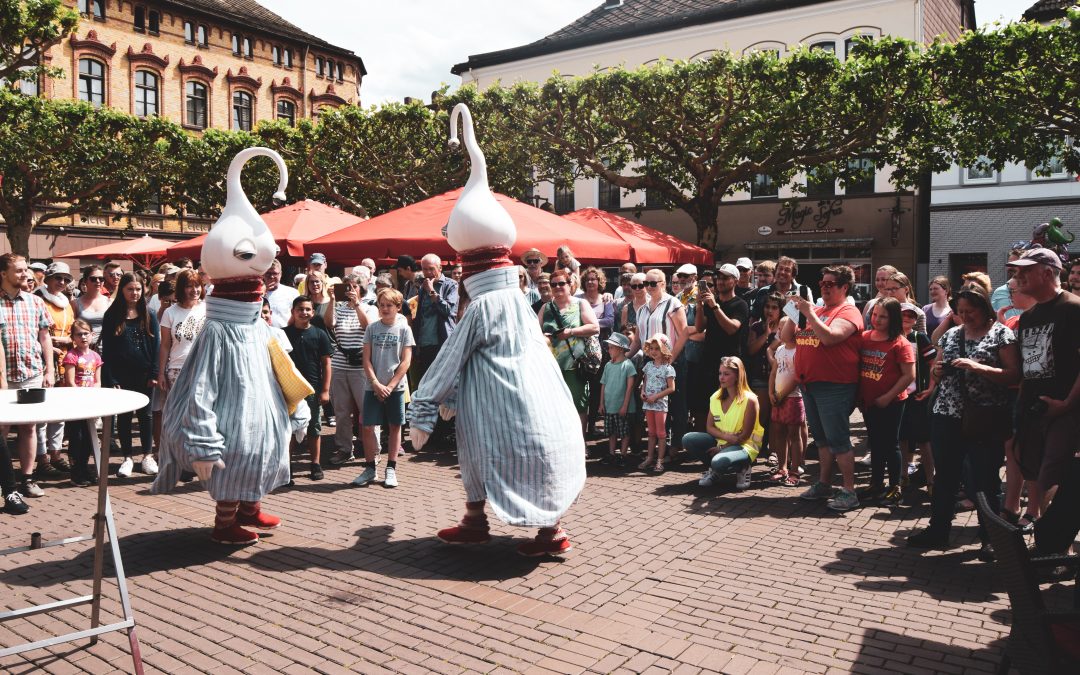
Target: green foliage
27	29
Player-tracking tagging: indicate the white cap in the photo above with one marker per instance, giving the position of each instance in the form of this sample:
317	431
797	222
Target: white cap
728	269
744	263
687	269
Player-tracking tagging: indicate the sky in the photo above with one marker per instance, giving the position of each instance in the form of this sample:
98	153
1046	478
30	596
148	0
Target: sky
409	46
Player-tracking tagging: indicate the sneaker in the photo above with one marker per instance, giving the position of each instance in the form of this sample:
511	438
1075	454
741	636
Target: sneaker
391	478
845	500
773	459
865	460
233	535
892	496
316	471
929	538
331	421
742	480
80	477
62	464
125	468
366	477
260	520
535	548
30	488
14	504
912	467
708	479
46	471
340	457
149	465
464	535
817	491
870	491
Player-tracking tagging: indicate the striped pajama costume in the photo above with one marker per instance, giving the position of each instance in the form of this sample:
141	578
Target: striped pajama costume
226	404
518	433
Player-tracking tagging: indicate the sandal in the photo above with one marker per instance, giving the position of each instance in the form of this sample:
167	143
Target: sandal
644	466
659	467
1026	523
778	476
791	480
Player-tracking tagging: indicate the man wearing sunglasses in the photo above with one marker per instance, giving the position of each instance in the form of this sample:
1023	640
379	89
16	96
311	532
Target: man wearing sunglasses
534	262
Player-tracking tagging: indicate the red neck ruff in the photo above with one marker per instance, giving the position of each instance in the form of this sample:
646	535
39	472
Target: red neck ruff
482	259
240	289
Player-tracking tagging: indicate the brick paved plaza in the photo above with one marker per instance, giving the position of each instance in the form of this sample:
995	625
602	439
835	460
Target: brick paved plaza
665	577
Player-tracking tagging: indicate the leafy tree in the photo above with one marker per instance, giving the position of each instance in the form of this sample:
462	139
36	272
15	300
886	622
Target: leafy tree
61	158
693	133
1012	93
27	29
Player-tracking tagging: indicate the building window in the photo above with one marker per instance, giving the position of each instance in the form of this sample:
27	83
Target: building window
286	110
340	71
610	196
564	197
1052	168
29	86
275	55
330	68
825	187
153	22
980	172
763	186
320	66
139	21
863	185
189	32
196	104
248	53
827	46
236	44
242	109
146	93
92	82
202	36
287	53
851	45
95	8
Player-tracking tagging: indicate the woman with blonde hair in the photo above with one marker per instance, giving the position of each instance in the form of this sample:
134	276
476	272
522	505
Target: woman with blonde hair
733	432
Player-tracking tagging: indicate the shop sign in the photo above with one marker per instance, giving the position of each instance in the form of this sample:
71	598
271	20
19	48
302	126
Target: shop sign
764	230
814	218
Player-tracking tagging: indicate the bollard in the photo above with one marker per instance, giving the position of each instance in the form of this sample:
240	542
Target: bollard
35	541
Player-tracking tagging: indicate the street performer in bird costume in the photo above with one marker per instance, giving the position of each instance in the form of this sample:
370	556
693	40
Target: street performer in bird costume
227	416
520	445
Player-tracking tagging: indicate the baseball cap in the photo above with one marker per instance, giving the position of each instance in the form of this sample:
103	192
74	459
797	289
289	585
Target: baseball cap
687	269
908	307
37	266
729	270
1037	256
744	263
317	259
168	269
57	268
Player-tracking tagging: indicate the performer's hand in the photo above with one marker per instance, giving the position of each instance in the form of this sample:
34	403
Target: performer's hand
446	413
418	437
204	467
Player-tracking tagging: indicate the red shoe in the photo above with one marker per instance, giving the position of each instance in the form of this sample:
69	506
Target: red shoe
464	535
260	520
536	547
234	535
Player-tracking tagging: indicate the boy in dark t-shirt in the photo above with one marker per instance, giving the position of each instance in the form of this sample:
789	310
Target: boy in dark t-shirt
311	351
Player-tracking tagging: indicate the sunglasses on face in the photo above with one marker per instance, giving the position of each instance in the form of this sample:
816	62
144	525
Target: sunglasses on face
533	261
637	287
827	284
559	284
652	284
96	280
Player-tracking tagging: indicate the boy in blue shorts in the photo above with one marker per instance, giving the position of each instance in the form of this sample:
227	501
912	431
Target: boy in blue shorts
617	397
388	345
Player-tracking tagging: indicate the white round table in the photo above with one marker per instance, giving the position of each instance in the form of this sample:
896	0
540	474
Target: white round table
63	404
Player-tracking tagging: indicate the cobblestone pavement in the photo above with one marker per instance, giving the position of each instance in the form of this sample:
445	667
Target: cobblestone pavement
665	577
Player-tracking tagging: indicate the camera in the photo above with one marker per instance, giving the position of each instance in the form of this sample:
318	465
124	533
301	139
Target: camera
341	292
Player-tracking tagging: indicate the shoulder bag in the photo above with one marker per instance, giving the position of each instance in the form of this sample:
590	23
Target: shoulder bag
586	364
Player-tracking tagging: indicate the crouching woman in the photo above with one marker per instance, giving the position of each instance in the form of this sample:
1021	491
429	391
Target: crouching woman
733	431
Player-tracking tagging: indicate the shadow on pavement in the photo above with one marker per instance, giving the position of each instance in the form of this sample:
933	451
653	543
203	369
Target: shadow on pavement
884	651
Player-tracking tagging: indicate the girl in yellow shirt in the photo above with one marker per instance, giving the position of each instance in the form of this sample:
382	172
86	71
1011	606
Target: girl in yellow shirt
733	432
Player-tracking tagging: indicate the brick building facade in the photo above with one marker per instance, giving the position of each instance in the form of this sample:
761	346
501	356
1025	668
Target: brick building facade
221	64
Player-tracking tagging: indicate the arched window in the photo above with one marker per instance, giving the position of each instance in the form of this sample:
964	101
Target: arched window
153	21
286	110
92	81
146	93
320	66
197	102
202	36
95	8
242	111
189	32
340	71
287	54
330	68
275	55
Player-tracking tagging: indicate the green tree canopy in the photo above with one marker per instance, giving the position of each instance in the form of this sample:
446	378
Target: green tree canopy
27	29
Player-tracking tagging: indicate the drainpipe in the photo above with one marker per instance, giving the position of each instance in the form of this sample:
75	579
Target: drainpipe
303	82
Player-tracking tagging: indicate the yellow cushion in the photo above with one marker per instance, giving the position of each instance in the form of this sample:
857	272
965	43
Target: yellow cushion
292	383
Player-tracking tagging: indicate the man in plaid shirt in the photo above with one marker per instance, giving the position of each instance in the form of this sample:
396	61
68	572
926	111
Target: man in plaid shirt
27	351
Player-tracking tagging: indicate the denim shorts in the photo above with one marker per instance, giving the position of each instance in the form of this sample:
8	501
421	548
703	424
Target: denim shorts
390	412
828	412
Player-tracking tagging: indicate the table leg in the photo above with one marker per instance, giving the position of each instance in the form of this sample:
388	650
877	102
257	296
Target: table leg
101	460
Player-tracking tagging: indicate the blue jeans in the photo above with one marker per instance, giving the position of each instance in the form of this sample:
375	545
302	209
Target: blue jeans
828	412
981	472
883	432
732	458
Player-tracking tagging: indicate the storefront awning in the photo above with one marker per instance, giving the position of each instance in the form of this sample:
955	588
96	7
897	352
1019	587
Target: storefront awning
850	242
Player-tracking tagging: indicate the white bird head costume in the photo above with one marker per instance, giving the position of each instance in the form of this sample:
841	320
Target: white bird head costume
519	441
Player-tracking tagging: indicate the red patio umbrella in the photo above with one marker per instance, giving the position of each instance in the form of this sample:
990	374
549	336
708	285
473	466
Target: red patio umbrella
144	250
292	226
647	245
417	230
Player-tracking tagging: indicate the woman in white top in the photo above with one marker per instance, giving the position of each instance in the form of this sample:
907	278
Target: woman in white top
347	318
181	323
91	305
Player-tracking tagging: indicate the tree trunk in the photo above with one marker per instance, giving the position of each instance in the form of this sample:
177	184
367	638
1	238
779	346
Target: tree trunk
704	214
18	233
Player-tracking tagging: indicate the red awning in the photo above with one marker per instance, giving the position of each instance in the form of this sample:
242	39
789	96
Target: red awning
145	250
417	230
647	245
292	226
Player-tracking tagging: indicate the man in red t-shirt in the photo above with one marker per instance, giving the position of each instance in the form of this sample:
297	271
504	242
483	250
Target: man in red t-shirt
827	367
